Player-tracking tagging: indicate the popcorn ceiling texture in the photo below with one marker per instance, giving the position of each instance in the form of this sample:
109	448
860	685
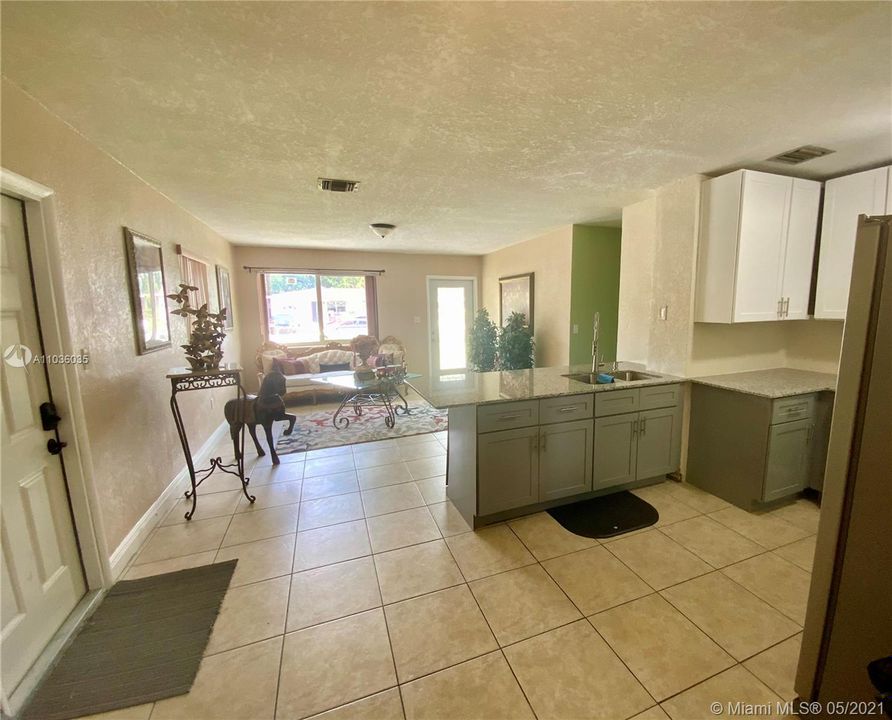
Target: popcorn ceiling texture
471	125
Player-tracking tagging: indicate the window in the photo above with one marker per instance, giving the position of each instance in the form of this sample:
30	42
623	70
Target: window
315	307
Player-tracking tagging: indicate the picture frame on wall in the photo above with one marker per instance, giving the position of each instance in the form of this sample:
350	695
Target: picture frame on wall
517	294
148	292
224	296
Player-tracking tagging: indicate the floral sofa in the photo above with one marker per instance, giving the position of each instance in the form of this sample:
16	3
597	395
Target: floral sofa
304	367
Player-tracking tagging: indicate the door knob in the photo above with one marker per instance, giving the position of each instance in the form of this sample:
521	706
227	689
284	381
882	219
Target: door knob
54	447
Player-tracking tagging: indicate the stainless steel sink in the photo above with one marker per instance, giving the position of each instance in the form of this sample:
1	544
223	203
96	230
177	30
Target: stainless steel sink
586	378
631	375
618	375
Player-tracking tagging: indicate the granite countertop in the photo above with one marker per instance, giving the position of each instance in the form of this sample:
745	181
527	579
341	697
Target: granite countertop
472	388
774	383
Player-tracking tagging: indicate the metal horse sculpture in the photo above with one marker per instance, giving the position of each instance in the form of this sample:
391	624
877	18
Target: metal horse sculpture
264	409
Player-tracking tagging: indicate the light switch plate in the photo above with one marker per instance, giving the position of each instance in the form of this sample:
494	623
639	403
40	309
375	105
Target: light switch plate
664	312
575	329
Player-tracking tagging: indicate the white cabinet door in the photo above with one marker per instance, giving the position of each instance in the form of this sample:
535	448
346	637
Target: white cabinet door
845	199
800	248
763	227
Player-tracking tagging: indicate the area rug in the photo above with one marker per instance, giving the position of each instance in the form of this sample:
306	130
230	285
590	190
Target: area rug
606	516
313	430
143	643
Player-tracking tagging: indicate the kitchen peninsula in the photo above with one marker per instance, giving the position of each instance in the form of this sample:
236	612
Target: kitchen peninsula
526	440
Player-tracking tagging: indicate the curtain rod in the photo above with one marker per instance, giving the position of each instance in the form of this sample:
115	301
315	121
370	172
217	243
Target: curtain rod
310	271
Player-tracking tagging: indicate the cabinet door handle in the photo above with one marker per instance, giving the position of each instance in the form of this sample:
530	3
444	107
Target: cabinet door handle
634	427
567	408
780	307
515	416
811	429
786	307
643	426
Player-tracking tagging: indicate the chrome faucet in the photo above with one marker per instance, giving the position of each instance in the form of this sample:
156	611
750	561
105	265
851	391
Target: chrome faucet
597	361
596	331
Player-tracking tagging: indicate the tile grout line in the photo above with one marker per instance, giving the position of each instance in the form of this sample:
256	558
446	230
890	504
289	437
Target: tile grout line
582	618
396	676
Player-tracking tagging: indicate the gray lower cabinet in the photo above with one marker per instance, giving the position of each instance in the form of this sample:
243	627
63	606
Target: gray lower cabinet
531	452
508	465
752	450
615	456
787	466
636	446
659	442
565	459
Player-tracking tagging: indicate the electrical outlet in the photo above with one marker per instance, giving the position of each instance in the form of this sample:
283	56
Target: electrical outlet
575	329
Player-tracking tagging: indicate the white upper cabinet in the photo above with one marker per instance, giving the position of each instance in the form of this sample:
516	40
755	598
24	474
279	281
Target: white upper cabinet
757	241
845	199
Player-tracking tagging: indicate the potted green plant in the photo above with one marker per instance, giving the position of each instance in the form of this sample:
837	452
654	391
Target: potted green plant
516	344
482	342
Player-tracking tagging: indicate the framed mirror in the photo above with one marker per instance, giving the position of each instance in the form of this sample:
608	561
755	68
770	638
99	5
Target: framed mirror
147	292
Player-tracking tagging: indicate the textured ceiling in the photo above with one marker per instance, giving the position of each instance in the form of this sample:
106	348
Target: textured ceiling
470	125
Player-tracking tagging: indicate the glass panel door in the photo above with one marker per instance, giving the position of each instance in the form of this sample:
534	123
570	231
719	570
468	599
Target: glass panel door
451	309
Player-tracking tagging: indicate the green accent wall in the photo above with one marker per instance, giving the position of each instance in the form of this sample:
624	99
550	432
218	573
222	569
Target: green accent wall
594	287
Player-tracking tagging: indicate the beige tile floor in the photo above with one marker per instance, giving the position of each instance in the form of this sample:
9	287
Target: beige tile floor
361	593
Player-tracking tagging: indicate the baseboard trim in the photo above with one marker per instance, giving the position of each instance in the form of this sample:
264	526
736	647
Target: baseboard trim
133	541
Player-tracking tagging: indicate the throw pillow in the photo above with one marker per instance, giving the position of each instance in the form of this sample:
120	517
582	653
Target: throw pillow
288	366
268	357
332	367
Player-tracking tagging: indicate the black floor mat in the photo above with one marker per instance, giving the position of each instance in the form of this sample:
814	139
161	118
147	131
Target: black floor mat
143	643
606	516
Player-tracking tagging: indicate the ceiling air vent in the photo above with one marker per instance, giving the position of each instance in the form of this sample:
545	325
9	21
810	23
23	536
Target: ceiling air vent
332	185
800	155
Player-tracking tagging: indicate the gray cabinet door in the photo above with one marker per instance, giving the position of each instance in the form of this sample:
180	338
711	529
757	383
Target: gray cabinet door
507	469
614	459
659	442
786	469
565	459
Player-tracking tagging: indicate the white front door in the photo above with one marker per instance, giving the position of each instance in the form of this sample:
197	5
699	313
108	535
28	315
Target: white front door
451	311
41	578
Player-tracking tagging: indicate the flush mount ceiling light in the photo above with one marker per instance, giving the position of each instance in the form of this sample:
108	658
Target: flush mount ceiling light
382	230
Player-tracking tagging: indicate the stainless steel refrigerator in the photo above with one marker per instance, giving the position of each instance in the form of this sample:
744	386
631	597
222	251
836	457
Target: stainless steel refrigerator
849	619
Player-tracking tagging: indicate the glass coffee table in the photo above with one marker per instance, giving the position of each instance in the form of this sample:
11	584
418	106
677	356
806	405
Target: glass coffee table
381	391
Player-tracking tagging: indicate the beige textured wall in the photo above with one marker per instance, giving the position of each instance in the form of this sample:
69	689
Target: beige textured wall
814	345
132	441
550	256
402	290
675	257
636	294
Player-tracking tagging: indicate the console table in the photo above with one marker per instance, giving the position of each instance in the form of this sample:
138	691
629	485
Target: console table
185	380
